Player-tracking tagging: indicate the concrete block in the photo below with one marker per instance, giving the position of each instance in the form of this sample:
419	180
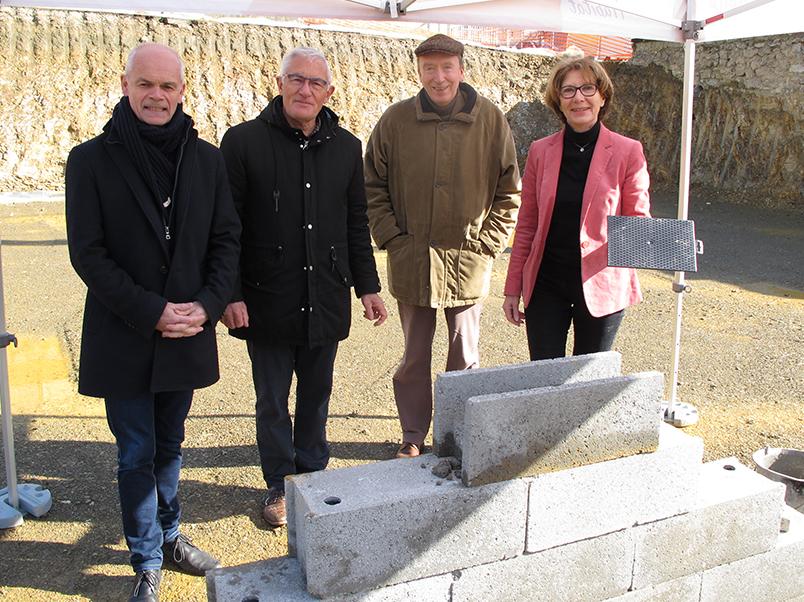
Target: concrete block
738	515
452	389
770	577
282	580
523	433
585	571
686	589
587	501
290	506
363	527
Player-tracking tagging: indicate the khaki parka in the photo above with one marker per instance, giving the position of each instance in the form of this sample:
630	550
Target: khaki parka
442	198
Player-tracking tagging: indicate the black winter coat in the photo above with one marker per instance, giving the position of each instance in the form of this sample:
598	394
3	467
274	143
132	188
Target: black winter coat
117	245
305	240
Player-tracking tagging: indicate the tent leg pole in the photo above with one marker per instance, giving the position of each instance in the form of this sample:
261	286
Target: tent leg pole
5	407
676	413
14	499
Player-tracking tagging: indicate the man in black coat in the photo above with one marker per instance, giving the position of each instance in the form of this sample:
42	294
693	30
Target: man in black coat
297	183
153	233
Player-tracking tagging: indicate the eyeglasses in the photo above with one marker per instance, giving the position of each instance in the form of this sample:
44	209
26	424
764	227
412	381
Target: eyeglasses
295	80
570	91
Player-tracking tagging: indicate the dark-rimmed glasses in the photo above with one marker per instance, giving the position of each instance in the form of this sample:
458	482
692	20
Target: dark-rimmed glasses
296	80
570	91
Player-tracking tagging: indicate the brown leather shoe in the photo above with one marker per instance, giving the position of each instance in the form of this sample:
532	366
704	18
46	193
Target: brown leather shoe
274	510
408	450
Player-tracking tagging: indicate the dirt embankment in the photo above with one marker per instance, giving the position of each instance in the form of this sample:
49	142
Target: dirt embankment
61	81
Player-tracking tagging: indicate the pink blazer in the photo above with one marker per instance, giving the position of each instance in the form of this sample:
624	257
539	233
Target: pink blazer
617	184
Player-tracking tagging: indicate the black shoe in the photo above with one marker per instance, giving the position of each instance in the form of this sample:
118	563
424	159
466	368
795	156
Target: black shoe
187	558
146	587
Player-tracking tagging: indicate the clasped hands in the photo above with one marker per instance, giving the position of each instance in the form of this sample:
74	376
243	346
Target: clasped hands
182	320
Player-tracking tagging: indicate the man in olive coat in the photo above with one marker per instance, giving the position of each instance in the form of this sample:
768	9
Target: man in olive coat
297	183
153	233
443	191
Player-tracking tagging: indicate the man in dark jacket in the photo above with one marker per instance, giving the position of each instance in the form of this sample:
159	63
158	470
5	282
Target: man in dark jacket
153	233
297	182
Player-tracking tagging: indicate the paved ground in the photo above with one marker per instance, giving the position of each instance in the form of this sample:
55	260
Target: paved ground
742	367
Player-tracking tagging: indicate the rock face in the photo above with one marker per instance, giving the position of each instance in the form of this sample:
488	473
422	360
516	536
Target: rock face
61	78
749	95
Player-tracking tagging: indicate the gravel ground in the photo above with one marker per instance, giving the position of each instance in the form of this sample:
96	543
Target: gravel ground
742	367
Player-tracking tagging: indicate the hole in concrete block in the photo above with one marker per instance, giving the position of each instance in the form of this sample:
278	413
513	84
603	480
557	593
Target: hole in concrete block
728	467
250	599
332	500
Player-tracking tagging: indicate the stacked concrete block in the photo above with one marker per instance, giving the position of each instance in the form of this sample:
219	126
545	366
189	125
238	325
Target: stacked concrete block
644	527
453	389
738	515
282	580
589	501
363	527
775	576
523	433
685	589
584	571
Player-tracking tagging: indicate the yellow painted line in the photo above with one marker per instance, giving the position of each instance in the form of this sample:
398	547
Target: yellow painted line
781	232
39	380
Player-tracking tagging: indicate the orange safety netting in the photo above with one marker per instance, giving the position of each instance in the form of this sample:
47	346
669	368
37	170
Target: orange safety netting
603	47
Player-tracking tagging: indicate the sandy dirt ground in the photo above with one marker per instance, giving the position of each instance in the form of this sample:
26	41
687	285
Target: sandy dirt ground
742	367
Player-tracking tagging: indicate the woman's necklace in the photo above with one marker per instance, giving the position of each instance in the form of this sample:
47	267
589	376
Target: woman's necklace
581	148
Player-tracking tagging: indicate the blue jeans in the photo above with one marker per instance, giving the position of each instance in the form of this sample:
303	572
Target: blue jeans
149	431
284	448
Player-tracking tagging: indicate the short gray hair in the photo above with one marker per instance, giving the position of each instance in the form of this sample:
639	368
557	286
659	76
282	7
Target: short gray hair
136	49
306	53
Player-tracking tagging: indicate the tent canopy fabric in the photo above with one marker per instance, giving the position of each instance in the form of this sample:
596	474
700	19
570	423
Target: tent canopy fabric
653	20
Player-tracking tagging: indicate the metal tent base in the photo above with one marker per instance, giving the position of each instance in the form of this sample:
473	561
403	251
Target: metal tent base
683	414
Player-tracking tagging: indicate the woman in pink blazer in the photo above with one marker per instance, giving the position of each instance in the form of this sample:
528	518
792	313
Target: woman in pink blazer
573	180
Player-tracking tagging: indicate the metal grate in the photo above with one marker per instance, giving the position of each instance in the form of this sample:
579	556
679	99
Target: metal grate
651	243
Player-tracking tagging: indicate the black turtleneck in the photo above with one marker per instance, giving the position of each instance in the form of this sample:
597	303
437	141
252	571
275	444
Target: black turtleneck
563	246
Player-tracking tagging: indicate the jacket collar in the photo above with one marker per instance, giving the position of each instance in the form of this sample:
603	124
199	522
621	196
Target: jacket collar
142	192
425	112
327	120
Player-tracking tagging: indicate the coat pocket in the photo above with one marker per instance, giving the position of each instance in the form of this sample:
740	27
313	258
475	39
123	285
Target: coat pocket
339	265
94	314
402	266
474	273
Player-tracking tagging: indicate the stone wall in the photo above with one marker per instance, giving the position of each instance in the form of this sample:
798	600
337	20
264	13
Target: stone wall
748	131
61	78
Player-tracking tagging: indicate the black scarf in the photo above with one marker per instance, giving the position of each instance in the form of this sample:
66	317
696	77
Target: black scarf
152	147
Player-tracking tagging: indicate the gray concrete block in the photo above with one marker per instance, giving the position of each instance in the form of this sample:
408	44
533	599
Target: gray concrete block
362	527
770	577
282	580
585	571
587	501
290	508
685	589
738	515
452	389
523	433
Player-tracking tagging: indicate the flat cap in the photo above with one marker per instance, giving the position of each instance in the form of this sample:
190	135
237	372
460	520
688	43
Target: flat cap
440	43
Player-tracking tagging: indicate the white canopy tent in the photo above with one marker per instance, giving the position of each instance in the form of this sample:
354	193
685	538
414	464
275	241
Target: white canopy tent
683	21
648	19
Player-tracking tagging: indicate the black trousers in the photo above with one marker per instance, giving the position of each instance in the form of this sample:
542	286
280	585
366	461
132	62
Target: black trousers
556	303
291	447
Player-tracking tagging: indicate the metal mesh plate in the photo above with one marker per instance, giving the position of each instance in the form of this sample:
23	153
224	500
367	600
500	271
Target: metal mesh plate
652	243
